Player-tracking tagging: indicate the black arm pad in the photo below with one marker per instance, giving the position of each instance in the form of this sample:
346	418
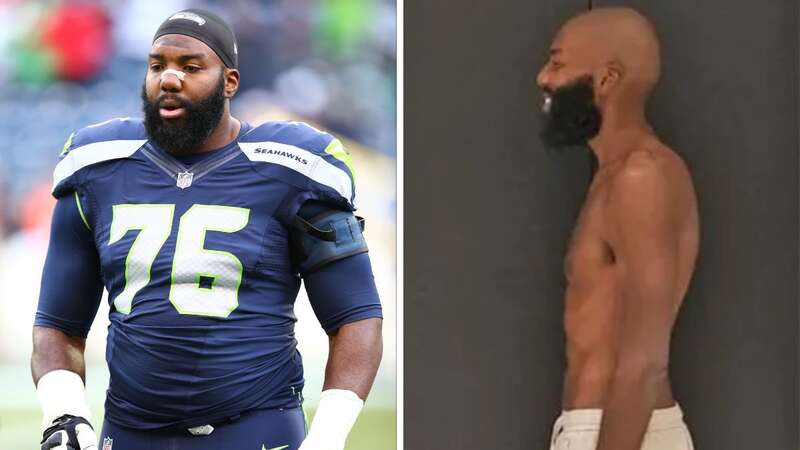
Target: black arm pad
326	238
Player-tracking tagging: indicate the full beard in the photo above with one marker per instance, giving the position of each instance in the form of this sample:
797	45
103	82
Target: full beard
186	134
572	118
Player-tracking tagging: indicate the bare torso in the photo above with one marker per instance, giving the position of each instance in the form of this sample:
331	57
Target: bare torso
593	294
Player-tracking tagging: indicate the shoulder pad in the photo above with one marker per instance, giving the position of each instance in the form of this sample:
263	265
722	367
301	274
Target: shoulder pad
318	156
292	133
112	139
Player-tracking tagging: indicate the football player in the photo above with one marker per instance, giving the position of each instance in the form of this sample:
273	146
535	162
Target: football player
200	226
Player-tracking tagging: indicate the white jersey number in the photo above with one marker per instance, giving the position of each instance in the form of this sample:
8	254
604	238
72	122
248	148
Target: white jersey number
204	282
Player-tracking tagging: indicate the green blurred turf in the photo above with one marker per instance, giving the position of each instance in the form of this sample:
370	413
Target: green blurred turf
375	429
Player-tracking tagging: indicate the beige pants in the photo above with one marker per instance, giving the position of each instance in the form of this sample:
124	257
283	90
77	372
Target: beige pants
578	430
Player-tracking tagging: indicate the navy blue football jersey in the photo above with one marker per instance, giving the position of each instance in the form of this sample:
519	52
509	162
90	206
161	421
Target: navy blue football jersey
196	260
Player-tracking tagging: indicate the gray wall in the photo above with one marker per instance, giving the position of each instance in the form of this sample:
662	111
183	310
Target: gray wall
488	212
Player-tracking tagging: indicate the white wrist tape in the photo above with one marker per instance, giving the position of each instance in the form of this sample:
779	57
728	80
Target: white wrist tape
61	392
336	414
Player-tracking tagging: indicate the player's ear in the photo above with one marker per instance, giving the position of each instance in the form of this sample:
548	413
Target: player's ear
611	76
231	81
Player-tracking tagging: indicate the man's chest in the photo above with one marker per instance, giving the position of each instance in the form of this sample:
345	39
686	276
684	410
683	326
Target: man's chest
589	250
202	238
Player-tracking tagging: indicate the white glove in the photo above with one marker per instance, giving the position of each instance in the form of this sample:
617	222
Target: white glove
65	424
336	414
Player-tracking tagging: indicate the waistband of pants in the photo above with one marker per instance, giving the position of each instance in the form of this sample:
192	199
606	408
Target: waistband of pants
589	419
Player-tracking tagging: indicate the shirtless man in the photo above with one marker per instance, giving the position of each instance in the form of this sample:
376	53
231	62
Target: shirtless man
633	250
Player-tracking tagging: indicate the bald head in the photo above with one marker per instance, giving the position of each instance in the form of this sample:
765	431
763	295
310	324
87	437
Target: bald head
603	65
619	42
620	36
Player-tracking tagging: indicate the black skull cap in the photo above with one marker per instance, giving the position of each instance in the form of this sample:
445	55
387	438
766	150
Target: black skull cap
207	27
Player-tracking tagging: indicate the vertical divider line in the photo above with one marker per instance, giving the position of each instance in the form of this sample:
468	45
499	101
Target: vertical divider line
797	336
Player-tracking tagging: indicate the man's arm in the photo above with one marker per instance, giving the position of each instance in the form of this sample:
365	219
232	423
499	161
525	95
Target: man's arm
344	297
58	369
54	350
644	216
70	292
353	360
341	288
354	356
70	295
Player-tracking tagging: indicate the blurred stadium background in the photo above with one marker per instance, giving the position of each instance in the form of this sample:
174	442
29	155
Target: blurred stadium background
68	64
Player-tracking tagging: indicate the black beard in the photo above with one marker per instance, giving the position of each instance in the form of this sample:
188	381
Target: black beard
573	118
184	135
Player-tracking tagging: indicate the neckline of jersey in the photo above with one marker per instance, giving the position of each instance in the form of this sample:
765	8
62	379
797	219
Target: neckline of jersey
212	160
201	161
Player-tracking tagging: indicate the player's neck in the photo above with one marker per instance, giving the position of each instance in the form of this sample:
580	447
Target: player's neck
619	135
225	132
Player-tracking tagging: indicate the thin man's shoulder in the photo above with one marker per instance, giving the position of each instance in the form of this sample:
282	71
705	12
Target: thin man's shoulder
652	166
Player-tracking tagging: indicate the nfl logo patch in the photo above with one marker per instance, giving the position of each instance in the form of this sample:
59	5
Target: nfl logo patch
184	180
107	443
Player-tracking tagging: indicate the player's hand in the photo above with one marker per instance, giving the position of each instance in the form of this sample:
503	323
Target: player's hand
69	433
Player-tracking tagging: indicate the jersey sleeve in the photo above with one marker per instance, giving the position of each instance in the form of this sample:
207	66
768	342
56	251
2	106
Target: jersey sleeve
106	141
342	291
313	164
71	285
